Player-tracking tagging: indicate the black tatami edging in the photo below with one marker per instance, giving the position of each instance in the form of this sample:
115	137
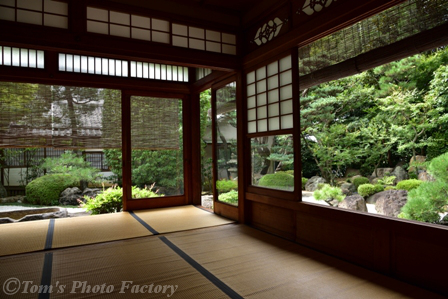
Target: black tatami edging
146	225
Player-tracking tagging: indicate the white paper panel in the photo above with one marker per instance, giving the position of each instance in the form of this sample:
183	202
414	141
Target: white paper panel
261	86
84	64
251	115
213	47
56	7
24	57
262	125
7	56
273	96
144	34
15	56
119	30
77	63
252	127
105	66
180	29
91	65
261	99
261	73
273	68
138	21
227	49
197	44
29	17
97	14
161	37
69	63
97	27
286	92
250	77
273	82
274	124
273	110
251	90
213	35
120	18
40	59
160	25
229	38
285	63
30	4
197	32
111	67
286	78
287	122
55	21
8	14
251	102
286	107
33	58
180	41
262	112
8	2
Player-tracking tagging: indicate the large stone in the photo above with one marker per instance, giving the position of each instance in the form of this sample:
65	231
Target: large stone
313	183
70	196
348	189
425	177
382	172
60	214
3	192
400	174
354	202
391	202
372	199
444	220
90	192
418	159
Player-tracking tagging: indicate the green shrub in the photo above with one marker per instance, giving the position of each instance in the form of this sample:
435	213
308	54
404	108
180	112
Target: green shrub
387	180
413	175
438	167
111	199
367	189
408	184
304	181
378	188
278	180
329	193
230	197
45	190
390	188
291	172
226	185
426	202
360	181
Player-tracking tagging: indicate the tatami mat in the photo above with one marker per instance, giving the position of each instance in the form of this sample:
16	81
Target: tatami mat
258	265
23	237
129	266
96	229
180	218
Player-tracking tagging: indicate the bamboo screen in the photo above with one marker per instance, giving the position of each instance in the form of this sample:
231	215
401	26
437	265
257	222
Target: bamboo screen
385	28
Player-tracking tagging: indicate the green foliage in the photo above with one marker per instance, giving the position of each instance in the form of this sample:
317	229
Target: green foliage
408	184
71	163
360	181
46	190
111	199
390	188
329	193
226	185
426	202
413	175
378	188
278	180
438	167
387	180
230	197
304	181
366	190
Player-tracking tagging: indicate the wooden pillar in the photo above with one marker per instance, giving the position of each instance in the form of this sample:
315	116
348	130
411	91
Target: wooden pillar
126	151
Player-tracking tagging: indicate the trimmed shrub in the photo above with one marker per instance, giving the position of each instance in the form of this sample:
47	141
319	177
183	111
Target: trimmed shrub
226	185
390	188
278	180
438	167
366	190
408	184
360	181
304	180
45	190
230	197
329	193
378	188
291	172
413	175
111	199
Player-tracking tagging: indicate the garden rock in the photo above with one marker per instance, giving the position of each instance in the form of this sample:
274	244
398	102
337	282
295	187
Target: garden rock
382	172
92	193
354	202
3	192
372	199
400	174
418	159
348	189
391	202
425	177
313	183
444	220
70	196
61	214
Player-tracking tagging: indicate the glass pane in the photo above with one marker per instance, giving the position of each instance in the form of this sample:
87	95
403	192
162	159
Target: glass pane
226	147
157	150
273	161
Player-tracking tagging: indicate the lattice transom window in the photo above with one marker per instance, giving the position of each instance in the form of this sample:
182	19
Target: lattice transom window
203	39
116	23
93	65
22	57
269	97
38	12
